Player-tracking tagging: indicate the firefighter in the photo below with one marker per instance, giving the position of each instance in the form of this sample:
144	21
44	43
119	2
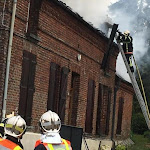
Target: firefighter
127	40
50	125
2	124
1	130
14	129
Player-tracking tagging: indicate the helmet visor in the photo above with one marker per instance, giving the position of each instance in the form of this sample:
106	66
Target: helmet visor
14	130
51	126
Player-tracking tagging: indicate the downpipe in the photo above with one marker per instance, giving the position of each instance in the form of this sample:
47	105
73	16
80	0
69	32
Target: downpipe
8	59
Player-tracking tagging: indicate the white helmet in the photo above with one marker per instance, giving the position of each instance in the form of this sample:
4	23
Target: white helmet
127	32
15	126
50	122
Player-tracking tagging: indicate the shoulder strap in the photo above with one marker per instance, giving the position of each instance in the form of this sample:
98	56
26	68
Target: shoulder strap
50	146
17	148
66	144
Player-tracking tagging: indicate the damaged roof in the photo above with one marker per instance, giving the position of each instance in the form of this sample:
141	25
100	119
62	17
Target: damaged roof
76	15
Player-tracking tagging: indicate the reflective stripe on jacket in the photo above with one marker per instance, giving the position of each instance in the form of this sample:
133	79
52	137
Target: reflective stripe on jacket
1	138
65	145
8	145
131	53
1	124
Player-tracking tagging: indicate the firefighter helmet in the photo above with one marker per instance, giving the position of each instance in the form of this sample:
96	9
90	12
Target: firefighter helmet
50	122
127	32
15	126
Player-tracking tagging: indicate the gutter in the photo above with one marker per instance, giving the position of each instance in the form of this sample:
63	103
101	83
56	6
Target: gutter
117	86
8	59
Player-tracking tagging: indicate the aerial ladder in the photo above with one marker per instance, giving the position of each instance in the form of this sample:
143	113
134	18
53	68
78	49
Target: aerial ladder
142	101
141	98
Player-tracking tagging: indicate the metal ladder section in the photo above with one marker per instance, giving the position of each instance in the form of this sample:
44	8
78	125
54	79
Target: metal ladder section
135	87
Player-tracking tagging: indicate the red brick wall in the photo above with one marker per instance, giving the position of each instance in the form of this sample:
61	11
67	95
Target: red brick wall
126	92
4	35
62	37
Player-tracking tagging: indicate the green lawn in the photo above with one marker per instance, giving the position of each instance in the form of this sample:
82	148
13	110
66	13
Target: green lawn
141	143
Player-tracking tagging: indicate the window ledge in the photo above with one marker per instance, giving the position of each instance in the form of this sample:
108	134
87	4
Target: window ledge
32	37
107	74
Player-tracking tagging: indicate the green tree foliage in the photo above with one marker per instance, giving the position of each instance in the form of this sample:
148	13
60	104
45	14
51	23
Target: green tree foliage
138	123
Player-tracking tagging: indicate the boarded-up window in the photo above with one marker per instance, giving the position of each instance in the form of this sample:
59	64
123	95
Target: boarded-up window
89	107
103	110
63	92
74	94
57	89
54	85
35	6
99	109
120	113
27	86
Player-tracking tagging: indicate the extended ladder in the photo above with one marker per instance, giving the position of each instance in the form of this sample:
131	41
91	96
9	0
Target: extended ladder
135	87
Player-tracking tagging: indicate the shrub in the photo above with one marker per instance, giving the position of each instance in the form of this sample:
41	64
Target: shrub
138	124
120	147
147	134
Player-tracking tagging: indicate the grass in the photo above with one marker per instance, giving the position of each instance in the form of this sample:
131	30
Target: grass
141	143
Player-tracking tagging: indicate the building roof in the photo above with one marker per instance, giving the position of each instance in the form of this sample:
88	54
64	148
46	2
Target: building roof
77	16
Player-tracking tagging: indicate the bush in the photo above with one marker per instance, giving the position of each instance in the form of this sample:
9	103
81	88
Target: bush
147	134
120	147
138	124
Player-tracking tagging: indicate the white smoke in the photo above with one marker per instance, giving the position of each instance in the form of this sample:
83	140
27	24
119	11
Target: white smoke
139	47
96	12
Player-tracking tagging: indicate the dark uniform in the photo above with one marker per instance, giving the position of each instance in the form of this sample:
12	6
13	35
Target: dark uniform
1	130
127	46
2	124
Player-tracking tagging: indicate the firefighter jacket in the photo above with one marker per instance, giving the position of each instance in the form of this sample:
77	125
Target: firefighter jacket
65	145
126	40
1	129
6	144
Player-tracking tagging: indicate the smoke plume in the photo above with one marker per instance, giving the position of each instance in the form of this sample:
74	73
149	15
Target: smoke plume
97	12
94	11
138	33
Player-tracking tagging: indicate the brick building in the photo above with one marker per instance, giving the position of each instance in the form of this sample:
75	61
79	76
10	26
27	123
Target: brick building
56	64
